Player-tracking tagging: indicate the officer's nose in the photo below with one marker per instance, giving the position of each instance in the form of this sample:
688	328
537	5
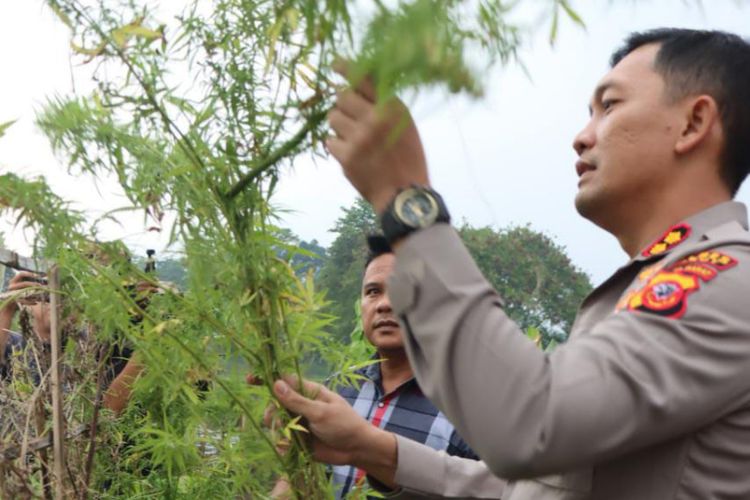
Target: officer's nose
585	139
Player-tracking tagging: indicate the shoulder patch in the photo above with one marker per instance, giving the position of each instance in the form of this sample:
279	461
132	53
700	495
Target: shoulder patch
673	237
665	291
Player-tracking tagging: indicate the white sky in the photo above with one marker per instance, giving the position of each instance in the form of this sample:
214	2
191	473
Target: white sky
506	159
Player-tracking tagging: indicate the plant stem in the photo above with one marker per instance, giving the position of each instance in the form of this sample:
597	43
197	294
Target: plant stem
273	158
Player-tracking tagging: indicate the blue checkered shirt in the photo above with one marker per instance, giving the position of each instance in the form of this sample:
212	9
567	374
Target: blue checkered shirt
405	411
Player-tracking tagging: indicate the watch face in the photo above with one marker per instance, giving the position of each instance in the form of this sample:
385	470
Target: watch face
416	208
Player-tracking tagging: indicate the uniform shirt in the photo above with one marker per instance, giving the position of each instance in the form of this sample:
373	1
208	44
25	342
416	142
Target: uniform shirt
405	411
648	400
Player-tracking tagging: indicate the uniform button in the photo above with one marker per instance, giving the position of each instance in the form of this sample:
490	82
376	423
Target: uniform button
381	404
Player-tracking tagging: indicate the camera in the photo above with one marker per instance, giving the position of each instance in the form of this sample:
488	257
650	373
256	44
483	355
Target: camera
40	280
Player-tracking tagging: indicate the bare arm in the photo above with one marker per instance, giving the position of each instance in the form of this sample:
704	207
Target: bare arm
119	391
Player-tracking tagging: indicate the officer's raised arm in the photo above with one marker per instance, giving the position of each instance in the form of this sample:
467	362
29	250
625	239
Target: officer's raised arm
650	398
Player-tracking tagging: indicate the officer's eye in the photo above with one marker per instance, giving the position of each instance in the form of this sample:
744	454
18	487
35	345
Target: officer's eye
608	103
371	291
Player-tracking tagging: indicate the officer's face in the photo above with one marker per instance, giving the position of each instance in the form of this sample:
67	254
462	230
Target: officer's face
378	322
627	149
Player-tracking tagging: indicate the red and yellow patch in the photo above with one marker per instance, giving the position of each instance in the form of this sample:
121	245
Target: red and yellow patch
666	290
673	237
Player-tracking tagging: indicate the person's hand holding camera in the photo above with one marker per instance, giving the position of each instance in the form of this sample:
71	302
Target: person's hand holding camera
21	281
36	300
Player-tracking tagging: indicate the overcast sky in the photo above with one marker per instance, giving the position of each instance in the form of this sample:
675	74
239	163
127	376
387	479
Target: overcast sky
505	159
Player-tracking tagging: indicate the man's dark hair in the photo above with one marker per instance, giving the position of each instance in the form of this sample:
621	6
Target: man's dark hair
707	62
377	245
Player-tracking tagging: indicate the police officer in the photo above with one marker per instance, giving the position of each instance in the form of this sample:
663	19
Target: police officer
650	398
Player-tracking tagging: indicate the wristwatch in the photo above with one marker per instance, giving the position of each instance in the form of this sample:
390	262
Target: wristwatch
413	208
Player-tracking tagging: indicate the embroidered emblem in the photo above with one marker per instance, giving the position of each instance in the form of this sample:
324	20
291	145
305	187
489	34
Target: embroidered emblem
666	291
673	237
650	271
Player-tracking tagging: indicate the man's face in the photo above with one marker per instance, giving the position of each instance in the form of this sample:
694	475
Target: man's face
626	151
378	322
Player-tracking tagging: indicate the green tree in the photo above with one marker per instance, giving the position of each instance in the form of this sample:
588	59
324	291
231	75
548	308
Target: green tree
341	276
540	286
304	256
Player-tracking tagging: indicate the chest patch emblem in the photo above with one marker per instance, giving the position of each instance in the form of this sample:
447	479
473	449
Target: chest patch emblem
673	237
665	291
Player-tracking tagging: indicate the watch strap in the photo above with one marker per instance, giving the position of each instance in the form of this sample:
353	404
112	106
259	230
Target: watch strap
395	228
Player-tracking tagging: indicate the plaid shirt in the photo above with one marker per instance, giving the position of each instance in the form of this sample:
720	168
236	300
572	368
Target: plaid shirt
405	411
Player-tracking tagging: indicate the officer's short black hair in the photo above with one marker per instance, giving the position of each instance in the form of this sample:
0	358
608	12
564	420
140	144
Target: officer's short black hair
707	62
377	245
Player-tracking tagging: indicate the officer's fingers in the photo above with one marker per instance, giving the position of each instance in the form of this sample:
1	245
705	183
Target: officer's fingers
363	84
341	66
366	88
343	125
340	150
353	104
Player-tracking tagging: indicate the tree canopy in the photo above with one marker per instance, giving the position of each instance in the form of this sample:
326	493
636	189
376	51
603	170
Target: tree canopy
540	287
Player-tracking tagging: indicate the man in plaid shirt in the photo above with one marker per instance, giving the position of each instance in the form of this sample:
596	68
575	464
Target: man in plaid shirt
390	397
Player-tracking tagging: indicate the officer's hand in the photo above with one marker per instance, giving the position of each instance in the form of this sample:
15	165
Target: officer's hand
338	432
378	146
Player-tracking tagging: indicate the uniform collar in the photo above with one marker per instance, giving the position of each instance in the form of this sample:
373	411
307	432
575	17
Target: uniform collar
694	229
700	224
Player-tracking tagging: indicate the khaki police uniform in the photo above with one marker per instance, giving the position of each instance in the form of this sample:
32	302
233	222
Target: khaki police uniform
648	400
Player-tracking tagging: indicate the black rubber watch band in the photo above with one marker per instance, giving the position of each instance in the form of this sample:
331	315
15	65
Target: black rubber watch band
412	209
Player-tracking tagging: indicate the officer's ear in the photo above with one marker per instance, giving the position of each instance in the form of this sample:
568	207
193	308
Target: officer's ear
701	126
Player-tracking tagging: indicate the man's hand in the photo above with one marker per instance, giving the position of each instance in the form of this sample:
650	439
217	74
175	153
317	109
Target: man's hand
339	435
22	280
39	309
377	145
335	426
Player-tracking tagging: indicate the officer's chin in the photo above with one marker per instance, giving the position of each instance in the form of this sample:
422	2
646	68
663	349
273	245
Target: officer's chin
588	204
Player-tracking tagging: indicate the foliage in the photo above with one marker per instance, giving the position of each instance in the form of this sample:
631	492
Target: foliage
540	287
196	114
304	256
